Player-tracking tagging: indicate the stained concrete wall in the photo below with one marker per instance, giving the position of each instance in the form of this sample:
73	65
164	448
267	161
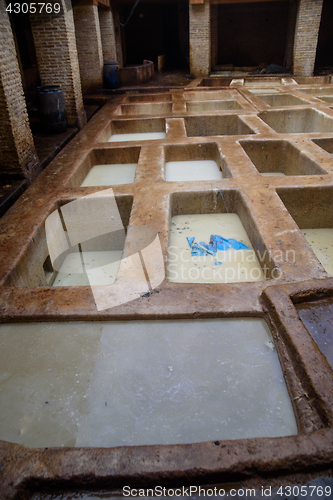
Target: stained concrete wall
306	36
17	151
89	46
200	39
55	44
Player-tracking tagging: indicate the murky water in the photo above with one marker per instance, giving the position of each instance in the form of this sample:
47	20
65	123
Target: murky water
140	382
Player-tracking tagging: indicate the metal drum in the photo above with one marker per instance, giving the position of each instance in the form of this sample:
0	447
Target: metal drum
52	109
111	75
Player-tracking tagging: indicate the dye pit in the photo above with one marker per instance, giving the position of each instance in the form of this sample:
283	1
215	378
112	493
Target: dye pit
170	385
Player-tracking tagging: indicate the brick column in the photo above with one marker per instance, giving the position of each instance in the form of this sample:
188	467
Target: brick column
107	35
54	37
89	46
200	39
306	36
214	33
17	151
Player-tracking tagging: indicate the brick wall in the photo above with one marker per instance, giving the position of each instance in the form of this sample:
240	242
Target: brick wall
55	44
89	46
107	35
200	39
17	150
306	36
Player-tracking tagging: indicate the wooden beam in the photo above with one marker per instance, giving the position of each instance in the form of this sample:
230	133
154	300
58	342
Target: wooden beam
195	2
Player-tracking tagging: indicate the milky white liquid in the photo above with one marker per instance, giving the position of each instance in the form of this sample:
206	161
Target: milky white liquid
194	170
237	265
271	174
108	175
89	268
321	241
138	136
140	382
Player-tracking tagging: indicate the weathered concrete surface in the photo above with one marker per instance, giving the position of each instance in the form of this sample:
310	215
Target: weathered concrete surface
270	209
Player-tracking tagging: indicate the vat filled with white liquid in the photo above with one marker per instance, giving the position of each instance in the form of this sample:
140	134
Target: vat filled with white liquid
321	242
210	243
144	129
233	265
312	210
108	175
280	157
105	384
192	162
107	167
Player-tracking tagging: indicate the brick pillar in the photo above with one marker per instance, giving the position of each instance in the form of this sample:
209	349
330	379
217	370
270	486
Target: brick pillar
200	39
214	33
288	58
306	36
17	151
118	36
89	46
107	35
54	38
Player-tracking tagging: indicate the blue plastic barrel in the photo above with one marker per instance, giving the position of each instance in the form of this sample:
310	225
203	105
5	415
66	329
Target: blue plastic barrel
110	75
52	109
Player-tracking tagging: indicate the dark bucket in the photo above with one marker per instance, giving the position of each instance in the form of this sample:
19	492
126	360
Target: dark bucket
111	75
52	109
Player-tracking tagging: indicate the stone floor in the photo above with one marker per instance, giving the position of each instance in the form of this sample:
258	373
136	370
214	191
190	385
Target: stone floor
249	126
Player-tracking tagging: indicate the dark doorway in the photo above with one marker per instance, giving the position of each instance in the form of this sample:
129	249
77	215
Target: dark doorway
250	34
324	58
157	29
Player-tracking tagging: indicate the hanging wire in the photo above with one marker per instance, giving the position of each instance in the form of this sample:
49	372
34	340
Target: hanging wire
129	17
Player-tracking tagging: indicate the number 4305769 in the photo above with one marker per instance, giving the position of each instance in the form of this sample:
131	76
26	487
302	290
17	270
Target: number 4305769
33	8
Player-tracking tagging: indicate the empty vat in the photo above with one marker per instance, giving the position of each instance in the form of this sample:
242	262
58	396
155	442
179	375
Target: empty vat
295	121
100	384
160	97
280	100
317	317
188	162
263	91
274	157
214	95
252	82
327	98
325	143
200	126
145	108
317	91
212	105
312	210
